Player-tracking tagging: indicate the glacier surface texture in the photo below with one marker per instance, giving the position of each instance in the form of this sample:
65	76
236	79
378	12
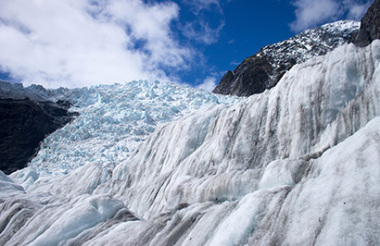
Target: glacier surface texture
295	165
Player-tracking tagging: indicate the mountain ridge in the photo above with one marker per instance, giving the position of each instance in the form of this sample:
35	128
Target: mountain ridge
264	69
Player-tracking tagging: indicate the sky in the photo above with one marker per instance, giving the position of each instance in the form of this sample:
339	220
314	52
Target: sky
76	43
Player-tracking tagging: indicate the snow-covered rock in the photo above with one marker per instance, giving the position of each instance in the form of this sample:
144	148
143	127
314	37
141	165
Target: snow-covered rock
264	69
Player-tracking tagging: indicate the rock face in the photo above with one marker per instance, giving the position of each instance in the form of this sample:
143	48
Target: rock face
370	26
24	123
264	69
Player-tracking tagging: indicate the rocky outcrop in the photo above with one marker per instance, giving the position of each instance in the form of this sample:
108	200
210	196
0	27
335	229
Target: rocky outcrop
370	26
252	76
23	125
264	69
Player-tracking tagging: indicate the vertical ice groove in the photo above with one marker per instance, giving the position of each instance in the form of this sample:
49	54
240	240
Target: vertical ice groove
288	121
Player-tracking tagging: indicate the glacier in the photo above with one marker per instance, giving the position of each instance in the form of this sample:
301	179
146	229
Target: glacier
296	165
112	121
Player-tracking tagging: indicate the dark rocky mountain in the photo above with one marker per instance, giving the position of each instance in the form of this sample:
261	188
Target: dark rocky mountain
370	26
24	123
264	69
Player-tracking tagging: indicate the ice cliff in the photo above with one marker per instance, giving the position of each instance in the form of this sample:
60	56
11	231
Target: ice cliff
295	165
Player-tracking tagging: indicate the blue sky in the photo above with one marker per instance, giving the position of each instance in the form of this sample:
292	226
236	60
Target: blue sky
247	27
75	43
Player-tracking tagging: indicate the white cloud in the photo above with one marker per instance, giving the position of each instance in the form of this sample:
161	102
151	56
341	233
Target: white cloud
202	32
356	10
204	29
75	43
208	84
199	5
310	13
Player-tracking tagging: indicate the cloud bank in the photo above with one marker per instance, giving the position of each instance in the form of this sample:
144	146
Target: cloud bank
75	43
208	84
310	13
201	29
